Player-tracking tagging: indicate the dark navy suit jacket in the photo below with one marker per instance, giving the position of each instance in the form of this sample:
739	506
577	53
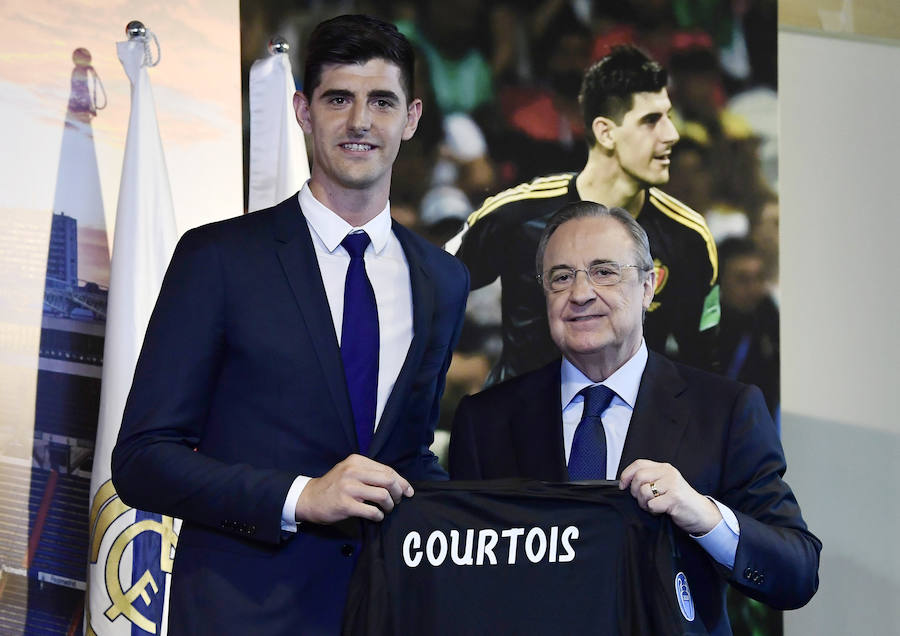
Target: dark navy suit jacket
239	388
717	432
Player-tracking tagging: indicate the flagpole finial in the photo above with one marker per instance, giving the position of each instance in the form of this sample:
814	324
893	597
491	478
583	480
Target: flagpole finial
136	30
278	45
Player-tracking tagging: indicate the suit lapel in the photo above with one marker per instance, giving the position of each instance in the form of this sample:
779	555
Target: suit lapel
659	418
298	259
536	426
423	309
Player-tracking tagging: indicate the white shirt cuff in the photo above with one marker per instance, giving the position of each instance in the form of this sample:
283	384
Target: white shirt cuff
289	510
721	542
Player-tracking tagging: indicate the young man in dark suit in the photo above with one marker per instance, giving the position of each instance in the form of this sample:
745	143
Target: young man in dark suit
291	373
697	447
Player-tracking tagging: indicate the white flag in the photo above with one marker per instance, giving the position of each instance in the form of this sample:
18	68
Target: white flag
131	551
278	163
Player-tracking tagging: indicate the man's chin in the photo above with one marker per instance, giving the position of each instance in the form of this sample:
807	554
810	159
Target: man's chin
651	180
358	181
659	180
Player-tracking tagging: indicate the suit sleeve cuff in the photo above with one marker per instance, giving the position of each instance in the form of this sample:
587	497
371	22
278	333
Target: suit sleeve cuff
289	510
721	542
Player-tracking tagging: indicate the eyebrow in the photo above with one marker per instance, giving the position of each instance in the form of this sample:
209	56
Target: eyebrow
658	113
596	261
384	94
343	92
335	92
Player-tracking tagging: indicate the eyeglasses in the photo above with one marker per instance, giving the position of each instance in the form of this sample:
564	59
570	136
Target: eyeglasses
599	274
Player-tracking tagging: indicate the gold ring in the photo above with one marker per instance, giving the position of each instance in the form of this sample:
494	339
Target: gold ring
653	489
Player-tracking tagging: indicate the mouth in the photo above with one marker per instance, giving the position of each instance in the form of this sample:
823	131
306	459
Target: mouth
357	147
582	319
665	158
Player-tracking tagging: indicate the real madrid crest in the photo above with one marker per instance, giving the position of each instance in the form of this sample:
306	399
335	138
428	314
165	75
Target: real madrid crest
106	510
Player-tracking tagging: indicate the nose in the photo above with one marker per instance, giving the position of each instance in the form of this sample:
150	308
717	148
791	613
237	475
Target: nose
359	120
581	292
669	133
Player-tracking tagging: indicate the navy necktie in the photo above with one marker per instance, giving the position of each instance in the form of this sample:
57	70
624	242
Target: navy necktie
587	457
359	341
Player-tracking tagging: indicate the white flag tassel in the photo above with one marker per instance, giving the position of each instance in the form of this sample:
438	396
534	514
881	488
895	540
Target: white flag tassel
131	551
278	163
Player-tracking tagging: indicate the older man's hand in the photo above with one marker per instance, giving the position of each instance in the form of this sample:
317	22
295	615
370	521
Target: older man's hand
660	489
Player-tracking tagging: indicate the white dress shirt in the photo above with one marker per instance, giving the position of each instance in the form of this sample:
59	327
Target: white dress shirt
388	271
720	542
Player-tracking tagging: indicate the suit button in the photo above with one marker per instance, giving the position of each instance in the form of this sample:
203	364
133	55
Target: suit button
748	573
347	550
761	578
252	529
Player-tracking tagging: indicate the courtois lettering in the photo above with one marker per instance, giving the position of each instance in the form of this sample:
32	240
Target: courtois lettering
585	557
488	546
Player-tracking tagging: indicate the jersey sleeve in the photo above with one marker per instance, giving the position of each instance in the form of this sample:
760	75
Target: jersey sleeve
478	246
696	326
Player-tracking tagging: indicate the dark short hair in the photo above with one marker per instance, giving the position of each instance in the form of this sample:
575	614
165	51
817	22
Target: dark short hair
735	247
356	39
608	87
585	209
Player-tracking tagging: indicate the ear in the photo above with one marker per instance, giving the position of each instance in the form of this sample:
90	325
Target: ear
301	109
603	128
413	114
648	289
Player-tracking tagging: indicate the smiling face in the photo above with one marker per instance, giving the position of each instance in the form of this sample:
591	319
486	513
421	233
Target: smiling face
643	142
596	328
357	116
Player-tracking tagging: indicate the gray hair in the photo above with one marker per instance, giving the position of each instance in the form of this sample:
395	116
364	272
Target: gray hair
586	209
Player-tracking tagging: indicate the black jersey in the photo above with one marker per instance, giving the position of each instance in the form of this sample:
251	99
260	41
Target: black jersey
501	239
520	558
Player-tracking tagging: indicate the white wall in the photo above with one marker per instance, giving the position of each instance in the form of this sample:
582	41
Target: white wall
840	227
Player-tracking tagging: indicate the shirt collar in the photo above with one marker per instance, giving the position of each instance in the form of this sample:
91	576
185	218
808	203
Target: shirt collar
331	229
625	381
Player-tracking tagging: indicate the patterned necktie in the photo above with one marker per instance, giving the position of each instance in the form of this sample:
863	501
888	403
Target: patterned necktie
359	341
587	458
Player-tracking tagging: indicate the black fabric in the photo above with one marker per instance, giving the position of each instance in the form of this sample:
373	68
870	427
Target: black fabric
617	577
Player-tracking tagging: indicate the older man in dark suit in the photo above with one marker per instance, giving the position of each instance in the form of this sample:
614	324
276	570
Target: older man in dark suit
291	374
688	444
